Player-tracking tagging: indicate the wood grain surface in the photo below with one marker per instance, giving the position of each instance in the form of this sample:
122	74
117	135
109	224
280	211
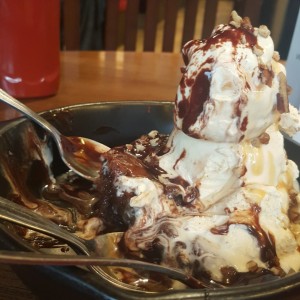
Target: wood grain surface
109	76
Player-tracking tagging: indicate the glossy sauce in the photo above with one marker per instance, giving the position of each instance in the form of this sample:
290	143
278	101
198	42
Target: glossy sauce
85	151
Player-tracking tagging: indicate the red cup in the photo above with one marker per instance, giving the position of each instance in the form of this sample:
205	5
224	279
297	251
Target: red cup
29	47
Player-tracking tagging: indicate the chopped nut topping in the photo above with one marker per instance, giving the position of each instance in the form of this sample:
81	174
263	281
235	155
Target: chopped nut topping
252	266
140	148
154	142
278	271
243	39
246	23
129	147
236	20
239	171
153	133
235	24
276	56
264	138
264	31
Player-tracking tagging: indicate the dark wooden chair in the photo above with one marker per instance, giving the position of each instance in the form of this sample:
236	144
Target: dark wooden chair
111	39
70	19
151	21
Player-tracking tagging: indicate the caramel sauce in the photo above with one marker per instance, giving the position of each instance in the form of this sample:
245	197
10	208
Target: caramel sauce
255	158
258	161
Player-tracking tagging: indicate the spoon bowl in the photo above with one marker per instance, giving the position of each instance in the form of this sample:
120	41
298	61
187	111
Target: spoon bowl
80	154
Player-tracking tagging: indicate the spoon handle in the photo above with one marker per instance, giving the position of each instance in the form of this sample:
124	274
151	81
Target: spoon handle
30	258
14	103
22	216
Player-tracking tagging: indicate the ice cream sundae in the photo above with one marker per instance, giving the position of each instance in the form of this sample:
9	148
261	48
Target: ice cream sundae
218	197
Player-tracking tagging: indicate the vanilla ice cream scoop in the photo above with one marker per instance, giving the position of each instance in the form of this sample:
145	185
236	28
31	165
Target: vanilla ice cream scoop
231	88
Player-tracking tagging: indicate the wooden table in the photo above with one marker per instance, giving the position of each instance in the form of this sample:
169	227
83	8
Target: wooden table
94	77
109	76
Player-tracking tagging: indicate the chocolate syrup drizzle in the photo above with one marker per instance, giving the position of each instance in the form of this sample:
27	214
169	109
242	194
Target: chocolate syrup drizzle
190	108
265	240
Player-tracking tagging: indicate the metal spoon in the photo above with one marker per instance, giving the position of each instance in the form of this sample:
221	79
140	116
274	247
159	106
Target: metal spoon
80	154
22	216
31	258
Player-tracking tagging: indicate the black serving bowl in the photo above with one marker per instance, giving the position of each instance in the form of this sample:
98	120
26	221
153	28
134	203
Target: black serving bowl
113	124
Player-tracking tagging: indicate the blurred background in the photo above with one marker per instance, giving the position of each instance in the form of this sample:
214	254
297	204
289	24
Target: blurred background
85	23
